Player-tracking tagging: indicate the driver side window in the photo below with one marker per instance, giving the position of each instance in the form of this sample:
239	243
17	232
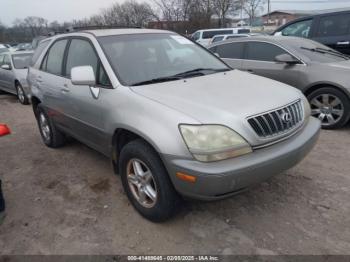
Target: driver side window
299	29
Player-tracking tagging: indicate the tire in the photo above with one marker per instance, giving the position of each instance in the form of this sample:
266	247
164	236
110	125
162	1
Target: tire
21	95
167	201
331	106
50	135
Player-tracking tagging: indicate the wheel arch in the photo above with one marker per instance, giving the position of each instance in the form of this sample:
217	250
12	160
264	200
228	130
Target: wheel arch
35	102
315	86
123	136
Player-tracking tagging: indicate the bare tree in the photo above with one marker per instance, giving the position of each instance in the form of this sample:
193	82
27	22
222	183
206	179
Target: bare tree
224	7
252	8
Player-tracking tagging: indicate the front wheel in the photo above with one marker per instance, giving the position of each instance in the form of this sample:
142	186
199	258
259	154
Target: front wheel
146	182
21	95
331	106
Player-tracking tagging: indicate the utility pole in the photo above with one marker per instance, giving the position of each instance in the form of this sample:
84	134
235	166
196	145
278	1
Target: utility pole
268	11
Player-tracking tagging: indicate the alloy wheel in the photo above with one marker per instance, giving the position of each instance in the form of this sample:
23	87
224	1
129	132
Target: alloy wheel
328	108
44	126
141	183
20	94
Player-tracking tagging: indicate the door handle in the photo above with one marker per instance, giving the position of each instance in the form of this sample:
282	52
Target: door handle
250	70
65	88
39	79
343	43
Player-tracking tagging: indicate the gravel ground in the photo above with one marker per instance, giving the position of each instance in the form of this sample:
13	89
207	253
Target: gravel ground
68	201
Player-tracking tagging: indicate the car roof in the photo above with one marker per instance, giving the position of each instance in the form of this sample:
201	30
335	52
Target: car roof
267	38
18	52
123	31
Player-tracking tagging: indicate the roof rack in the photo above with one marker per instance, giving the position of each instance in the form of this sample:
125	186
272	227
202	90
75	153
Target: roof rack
82	28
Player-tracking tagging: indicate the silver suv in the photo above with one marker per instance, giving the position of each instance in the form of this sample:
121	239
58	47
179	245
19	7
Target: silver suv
174	119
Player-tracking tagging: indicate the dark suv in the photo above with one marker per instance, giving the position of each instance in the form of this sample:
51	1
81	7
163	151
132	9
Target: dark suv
331	29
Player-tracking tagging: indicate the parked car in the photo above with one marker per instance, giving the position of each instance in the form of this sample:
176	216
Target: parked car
330	29
219	38
23	47
204	37
3	48
13	74
173	125
319	72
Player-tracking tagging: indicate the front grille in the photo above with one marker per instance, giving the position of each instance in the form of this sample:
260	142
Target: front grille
278	122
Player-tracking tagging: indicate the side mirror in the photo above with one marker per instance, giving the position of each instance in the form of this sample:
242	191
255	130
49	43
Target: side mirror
6	67
278	33
83	76
287	59
4	130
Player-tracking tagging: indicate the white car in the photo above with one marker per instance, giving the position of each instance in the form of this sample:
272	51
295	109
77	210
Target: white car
204	37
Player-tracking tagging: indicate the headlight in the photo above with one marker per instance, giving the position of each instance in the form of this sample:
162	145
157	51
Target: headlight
209	143
307	108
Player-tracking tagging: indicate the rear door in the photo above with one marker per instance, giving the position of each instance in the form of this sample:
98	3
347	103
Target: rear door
259	59
231	53
53	83
334	31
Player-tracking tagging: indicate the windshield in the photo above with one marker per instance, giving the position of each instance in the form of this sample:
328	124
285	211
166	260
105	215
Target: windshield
317	52
21	61
140	58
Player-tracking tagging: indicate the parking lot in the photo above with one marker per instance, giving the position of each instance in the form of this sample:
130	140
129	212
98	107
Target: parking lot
68	201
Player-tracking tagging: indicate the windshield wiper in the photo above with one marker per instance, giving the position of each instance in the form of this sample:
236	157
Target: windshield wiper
327	51
197	71
200	71
157	80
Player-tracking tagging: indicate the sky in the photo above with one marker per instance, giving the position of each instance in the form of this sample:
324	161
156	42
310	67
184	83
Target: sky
67	10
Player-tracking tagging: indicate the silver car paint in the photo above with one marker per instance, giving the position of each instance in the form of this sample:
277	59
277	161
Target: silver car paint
154	112
302	76
8	77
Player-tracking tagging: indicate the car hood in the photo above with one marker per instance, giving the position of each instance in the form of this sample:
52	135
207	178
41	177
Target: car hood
222	95
340	65
222	98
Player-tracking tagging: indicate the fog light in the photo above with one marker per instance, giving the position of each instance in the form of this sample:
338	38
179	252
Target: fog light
185	177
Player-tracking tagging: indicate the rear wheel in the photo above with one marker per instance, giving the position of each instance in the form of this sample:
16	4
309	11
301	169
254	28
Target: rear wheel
22	97
51	136
146	182
331	106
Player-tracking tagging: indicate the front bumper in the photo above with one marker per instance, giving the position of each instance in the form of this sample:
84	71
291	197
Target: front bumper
228	177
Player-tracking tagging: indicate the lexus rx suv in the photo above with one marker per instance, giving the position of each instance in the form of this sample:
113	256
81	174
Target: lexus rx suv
173	118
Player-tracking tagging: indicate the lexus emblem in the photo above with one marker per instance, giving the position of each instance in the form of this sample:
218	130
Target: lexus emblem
286	117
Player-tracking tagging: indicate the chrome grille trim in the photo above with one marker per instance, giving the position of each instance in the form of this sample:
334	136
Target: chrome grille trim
275	123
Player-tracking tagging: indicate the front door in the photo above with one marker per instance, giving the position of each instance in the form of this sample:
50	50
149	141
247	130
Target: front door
260	60
86	106
8	75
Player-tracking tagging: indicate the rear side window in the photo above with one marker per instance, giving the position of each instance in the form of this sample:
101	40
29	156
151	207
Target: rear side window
232	50
80	53
334	25
243	31
38	51
217	39
263	51
211	34
1	60
54	58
